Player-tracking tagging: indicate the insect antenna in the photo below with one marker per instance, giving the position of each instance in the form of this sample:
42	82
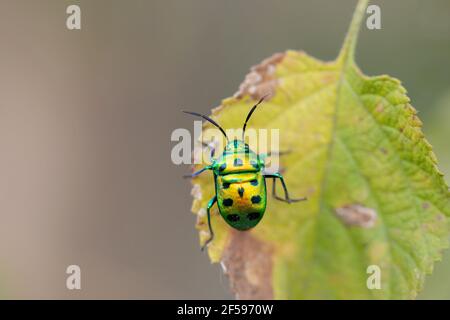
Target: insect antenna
250	114
209	120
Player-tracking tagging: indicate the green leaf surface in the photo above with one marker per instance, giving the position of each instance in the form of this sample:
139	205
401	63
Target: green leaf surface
375	194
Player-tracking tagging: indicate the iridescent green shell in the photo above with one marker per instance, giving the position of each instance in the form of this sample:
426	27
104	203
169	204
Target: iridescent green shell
240	186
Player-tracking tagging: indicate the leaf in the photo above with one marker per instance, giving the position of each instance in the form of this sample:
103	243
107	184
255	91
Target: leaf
375	194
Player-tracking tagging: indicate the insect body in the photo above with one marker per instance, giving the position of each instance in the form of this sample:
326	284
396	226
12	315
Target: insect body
240	186
240	182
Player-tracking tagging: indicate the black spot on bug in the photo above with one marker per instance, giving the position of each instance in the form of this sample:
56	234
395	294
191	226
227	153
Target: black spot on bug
227	202
241	192
236	143
237	162
253	215
256	199
254	164
254	182
225	185
222	167
233	217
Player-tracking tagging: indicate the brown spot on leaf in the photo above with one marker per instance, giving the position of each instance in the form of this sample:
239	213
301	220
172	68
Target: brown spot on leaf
328	78
247	262
261	81
379	108
357	215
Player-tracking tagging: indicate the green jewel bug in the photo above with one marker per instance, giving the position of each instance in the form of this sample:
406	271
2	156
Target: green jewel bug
240	182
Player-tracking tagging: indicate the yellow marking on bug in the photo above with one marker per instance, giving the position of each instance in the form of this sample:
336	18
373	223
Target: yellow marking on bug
240	162
239	178
242	204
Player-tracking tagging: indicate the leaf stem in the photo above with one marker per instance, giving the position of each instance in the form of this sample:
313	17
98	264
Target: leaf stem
347	53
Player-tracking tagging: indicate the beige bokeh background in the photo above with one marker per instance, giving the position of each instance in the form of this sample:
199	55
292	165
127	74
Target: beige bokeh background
86	118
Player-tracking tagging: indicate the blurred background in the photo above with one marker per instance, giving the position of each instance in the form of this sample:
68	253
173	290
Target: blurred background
86	118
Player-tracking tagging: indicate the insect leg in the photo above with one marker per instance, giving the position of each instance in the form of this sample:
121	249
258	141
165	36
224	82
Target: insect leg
208	209
278	153
286	193
196	173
